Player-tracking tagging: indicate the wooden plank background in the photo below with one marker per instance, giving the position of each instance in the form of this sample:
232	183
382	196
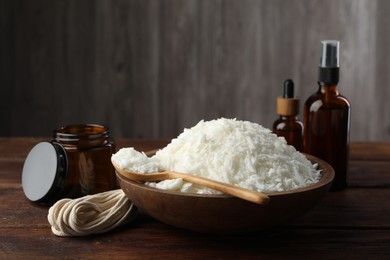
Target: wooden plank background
149	68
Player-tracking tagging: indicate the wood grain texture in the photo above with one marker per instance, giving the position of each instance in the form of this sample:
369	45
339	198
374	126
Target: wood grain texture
349	224
149	68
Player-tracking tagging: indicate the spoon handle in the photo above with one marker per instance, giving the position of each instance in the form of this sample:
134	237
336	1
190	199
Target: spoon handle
242	193
245	194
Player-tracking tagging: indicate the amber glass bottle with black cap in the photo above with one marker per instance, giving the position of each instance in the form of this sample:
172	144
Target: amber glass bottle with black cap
288	125
327	117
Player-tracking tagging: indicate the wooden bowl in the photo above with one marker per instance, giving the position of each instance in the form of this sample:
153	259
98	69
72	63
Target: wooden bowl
222	214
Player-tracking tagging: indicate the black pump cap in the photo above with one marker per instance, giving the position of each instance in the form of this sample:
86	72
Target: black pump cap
288	89
329	62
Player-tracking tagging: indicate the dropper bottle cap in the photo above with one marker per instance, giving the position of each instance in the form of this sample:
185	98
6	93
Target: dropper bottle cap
287	105
329	62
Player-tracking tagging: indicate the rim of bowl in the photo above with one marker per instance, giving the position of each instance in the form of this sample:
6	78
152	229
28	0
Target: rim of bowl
327	173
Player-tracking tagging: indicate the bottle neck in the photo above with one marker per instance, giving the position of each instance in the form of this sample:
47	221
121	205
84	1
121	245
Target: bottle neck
328	89
289	118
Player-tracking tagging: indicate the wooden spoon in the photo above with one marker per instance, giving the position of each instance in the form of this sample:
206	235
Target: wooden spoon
245	194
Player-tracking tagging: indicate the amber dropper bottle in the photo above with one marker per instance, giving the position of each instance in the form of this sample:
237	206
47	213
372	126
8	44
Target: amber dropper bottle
288	125
327	117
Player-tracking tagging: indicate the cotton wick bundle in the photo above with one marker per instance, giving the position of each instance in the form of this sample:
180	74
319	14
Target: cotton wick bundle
92	214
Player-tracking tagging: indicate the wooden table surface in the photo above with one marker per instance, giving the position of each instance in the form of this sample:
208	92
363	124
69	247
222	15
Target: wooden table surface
354	223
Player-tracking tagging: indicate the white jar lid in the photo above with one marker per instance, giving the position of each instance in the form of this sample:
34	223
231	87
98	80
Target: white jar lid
44	172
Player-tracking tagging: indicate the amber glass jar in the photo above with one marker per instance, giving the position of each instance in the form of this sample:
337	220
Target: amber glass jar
89	149
75	163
